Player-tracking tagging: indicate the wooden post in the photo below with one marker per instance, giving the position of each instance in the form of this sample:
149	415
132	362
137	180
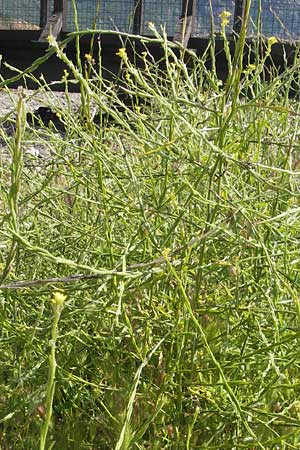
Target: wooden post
187	8
185	24
65	15
138	14
43	12
58	6
238	16
54	24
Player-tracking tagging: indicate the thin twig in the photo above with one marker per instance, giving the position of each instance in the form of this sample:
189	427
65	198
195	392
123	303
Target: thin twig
85	277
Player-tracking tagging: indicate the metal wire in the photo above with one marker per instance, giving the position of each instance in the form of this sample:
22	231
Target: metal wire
162	13
19	14
280	18
203	23
113	14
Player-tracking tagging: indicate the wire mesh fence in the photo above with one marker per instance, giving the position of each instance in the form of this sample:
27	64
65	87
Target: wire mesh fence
162	13
112	14
280	18
19	14
207	14
22	14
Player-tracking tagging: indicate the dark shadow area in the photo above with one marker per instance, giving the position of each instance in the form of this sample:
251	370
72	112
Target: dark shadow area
20	49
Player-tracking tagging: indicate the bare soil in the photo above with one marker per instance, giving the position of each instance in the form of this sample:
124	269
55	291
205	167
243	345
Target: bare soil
34	99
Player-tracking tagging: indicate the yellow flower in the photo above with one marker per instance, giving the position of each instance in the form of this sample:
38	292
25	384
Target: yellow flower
166	252
151	26
58	298
66	74
250	68
225	18
127	77
122	53
271	41
52	41
88	57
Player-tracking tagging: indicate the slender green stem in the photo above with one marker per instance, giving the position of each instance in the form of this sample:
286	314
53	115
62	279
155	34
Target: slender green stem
57	306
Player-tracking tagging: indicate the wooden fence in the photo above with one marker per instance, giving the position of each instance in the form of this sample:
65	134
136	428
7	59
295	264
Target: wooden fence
277	17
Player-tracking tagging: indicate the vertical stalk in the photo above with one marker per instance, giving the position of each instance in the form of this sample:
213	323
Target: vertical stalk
83	92
57	305
234	81
15	182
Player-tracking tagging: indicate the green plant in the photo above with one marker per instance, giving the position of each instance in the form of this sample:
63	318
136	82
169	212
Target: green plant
172	223
57	306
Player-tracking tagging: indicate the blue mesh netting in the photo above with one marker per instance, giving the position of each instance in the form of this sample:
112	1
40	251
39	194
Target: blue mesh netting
113	14
202	21
19	14
280	18
162	13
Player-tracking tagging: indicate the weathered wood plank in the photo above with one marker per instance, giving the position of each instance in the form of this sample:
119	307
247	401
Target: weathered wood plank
184	27
53	26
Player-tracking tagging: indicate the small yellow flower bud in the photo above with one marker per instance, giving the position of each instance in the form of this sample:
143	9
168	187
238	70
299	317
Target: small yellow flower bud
58	298
52	41
166	252
151	26
271	41
122	53
251	68
225	18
